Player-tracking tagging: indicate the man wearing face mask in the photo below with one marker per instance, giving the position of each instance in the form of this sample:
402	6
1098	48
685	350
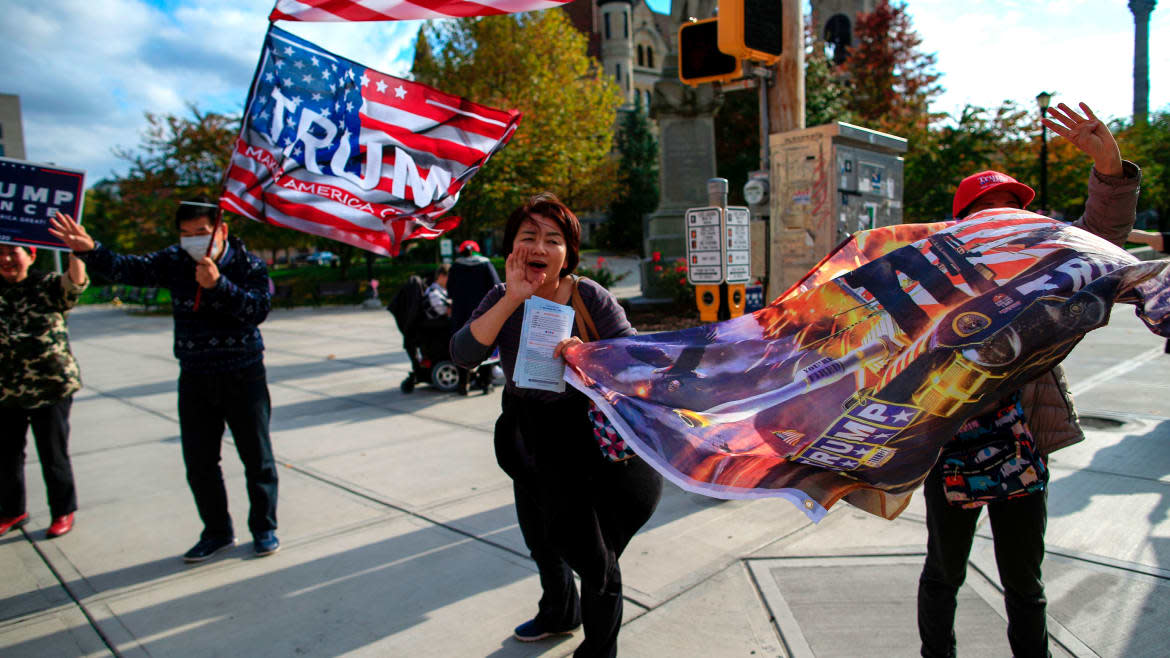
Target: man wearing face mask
221	361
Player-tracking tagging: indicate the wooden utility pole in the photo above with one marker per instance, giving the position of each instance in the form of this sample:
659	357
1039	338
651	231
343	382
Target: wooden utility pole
785	105
786	91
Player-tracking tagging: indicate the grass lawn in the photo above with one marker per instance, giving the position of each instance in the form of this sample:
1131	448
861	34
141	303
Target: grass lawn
302	286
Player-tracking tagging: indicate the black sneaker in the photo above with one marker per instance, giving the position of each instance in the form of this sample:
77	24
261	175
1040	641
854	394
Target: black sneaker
208	547
265	543
532	630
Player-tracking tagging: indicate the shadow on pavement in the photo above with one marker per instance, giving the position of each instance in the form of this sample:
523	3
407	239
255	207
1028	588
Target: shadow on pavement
338	602
1151	451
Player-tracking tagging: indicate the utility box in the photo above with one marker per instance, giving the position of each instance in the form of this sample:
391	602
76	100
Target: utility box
827	183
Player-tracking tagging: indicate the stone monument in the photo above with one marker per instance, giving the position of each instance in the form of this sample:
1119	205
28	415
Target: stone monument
686	159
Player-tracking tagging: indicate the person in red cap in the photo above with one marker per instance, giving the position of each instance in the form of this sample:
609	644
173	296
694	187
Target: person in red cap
990	189
38	377
1018	518
471	277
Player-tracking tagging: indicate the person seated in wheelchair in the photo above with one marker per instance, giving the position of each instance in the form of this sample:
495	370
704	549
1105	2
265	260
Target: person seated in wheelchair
423	315
436	300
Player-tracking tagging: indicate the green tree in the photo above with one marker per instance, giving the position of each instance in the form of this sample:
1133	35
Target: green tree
737	140
179	157
537	63
825	94
638	170
1149	146
976	140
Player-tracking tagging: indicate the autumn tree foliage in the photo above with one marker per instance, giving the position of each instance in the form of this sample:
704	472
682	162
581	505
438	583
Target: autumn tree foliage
536	63
891	81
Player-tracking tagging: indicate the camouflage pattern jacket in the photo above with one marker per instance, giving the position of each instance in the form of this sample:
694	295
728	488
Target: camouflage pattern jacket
37	367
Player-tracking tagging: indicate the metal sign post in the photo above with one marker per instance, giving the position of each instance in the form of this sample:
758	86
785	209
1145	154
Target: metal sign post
718	243
737	258
704	242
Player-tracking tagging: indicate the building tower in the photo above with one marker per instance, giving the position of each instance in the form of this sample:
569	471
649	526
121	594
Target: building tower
1141	57
833	25
11	128
617	52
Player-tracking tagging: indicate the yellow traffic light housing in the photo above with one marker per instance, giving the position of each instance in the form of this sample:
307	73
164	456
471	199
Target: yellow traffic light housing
699	57
752	29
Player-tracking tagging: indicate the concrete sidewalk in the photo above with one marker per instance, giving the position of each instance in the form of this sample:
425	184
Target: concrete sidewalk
399	537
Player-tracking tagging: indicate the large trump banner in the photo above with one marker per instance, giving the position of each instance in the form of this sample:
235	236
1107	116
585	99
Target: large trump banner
849	384
335	149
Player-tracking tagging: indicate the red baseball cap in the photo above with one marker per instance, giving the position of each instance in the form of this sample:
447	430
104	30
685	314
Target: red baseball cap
469	244
976	185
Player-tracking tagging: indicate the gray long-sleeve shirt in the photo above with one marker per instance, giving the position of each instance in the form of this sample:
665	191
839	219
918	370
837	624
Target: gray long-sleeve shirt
466	351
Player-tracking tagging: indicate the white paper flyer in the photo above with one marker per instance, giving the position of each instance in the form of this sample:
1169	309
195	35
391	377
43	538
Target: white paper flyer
546	324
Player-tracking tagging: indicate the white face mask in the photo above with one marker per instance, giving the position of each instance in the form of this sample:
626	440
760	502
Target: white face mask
196	246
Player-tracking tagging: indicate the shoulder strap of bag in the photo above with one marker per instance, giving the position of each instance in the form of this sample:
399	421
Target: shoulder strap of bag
585	326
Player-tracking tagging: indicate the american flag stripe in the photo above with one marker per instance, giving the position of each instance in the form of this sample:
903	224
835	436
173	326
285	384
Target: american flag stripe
379	243
397	121
332	148
330	219
398	10
451	154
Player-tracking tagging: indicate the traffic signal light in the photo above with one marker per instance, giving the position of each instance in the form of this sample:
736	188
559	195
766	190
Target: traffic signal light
699	57
752	29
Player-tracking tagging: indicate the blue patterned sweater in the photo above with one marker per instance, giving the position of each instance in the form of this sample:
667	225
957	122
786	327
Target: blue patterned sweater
222	335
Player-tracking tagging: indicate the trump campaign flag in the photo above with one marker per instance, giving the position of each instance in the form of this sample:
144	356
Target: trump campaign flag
848	385
400	10
332	148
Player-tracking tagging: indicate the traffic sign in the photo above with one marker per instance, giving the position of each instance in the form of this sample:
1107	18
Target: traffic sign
704	245
738	246
718	245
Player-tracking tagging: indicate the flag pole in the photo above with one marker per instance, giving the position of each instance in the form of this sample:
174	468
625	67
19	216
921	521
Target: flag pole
215	223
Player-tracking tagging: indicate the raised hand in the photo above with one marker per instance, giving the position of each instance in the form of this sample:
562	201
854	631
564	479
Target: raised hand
1089	134
522	283
65	229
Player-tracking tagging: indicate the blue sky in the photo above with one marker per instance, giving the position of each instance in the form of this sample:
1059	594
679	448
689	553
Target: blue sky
86	71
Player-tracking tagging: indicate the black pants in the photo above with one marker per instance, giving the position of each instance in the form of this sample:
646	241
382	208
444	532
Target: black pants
577	512
206	402
1017	527
50	427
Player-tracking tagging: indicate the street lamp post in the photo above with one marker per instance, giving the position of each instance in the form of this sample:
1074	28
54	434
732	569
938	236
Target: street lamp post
1042	99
